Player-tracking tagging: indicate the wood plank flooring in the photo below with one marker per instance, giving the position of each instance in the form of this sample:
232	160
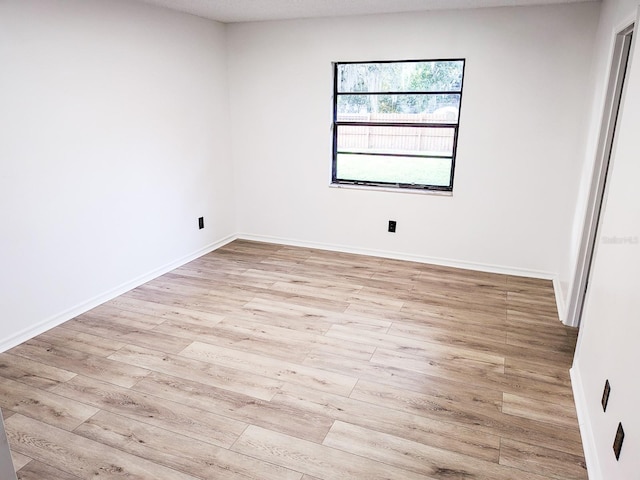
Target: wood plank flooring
269	362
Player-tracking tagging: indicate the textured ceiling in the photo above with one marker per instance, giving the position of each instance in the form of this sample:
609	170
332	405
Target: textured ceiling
230	11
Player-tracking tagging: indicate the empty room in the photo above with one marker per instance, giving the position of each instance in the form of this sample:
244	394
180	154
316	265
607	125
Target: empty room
319	239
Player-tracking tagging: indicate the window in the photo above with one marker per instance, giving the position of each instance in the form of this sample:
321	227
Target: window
395	124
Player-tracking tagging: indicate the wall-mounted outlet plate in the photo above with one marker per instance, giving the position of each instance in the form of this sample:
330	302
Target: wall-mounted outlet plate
201	223
605	395
392	226
617	443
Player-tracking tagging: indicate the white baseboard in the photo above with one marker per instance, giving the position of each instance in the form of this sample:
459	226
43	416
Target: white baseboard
72	312
588	441
445	262
560	304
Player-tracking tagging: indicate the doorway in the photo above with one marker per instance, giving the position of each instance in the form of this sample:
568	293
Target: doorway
615	89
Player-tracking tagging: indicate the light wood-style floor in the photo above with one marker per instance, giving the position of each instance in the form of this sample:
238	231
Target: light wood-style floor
271	362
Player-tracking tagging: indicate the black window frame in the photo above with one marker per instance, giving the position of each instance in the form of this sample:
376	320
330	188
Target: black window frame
455	126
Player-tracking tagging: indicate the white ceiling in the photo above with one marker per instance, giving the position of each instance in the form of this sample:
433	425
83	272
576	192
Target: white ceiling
230	11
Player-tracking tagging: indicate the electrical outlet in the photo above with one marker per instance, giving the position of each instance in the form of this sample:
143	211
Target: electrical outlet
392	226
605	395
617	443
201	223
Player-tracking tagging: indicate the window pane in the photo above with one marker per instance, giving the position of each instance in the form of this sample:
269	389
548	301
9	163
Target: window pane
396	123
406	170
437	141
417	108
431	76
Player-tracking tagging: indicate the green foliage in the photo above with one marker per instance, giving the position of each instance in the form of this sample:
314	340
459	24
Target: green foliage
436	76
421	81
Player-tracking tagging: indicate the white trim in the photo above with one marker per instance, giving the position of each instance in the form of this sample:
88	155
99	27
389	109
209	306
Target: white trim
631	19
445	262
373	188
73	312
613	103
7	469
81	308
560	303
586	432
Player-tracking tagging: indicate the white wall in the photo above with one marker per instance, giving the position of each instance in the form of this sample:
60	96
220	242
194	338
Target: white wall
520	140
114	140
607	345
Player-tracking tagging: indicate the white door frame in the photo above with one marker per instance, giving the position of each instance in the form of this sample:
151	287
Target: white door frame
613	101
6	462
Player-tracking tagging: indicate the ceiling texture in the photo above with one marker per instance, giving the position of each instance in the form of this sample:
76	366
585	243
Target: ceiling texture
232	11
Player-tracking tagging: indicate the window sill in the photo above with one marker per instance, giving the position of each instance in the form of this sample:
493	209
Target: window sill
416	191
